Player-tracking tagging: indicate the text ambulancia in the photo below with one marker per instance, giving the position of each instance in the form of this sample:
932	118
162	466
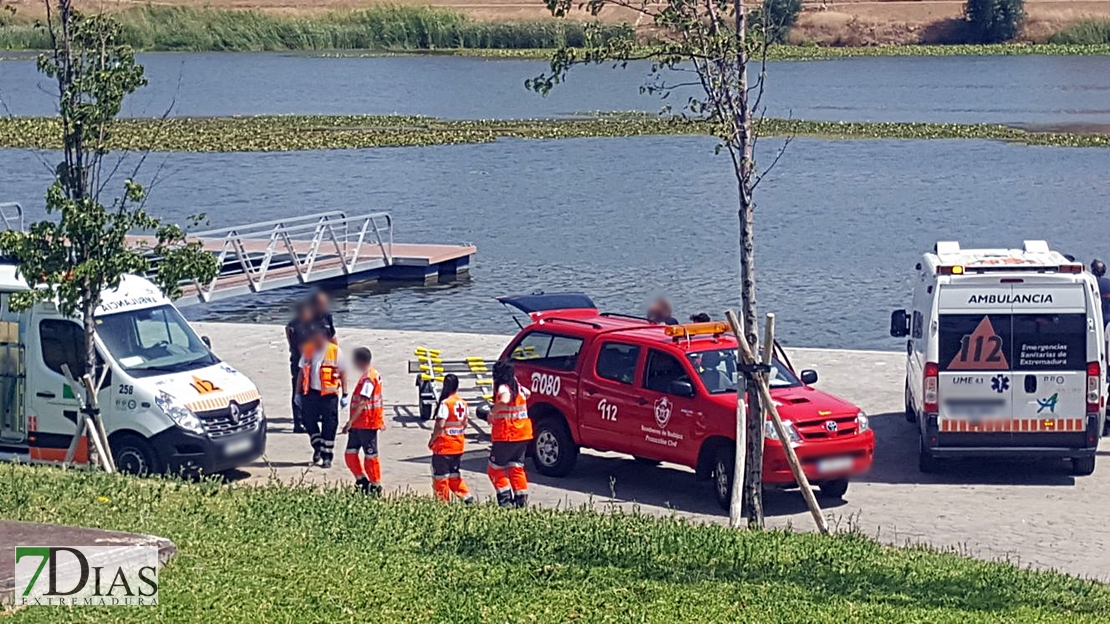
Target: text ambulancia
1005	355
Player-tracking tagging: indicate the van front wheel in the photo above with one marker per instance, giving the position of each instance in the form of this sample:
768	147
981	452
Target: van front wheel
134	455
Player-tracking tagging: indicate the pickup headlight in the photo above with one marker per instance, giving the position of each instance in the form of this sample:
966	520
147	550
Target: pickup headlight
862	423
183	416
769	432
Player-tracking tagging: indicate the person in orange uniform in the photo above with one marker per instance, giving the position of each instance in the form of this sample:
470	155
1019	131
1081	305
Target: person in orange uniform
448	442
321	380
366	420
511	433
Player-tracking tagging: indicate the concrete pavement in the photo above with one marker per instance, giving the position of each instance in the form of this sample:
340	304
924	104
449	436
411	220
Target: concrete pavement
1031	513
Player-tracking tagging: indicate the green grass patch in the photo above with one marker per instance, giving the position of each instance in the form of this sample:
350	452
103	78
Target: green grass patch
170	28
278	553
1085	32
314	132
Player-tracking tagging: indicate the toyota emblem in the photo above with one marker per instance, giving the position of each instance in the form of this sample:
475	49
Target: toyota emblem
831	426
233	412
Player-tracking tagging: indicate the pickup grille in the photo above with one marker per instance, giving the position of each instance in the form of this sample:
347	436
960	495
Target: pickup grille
822	430
220	423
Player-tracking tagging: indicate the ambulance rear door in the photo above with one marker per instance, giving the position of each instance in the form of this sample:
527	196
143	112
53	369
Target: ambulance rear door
975	384
1052	340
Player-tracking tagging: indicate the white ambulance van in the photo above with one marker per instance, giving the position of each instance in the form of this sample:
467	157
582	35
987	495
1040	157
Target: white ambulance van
168	403
1005	356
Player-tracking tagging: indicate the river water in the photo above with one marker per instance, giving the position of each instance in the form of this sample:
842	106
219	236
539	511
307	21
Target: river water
996	89
839	224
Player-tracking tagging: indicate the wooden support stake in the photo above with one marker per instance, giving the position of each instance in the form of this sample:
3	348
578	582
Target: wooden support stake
736	501
87	424
763	387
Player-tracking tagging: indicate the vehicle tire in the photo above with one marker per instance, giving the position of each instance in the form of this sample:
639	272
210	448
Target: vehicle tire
911	414
134	455
647	461
926	462
833	490
724	466
1083	466
424	391
553	451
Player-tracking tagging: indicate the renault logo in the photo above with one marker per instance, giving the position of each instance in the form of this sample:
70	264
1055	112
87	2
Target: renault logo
233	412
830	425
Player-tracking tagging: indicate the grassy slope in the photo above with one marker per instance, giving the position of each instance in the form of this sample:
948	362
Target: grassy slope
407	28
307	132
291	554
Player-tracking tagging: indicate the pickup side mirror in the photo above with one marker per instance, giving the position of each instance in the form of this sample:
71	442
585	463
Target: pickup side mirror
899	324
681	388
207	341
809	377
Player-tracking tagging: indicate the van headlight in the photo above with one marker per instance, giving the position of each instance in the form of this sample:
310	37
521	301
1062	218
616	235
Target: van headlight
862	422
769	432
183	416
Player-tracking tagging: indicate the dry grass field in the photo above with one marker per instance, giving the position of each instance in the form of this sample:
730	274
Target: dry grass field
825	22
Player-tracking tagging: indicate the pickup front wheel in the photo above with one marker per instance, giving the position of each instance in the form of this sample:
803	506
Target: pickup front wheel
724	467
553	449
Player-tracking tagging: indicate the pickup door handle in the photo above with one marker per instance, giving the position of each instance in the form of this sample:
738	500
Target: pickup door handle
641	401
588	390
45	395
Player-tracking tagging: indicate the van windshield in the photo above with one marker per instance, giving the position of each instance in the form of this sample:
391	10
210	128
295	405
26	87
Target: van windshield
987	342
717	370
153	341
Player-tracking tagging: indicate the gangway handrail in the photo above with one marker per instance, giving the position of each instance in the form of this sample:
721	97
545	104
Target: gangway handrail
7	216
334	236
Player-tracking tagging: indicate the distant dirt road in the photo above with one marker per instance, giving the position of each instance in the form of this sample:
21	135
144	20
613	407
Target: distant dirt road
828	22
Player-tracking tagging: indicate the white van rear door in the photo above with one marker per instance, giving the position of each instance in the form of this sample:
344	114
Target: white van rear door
975	384
1049	342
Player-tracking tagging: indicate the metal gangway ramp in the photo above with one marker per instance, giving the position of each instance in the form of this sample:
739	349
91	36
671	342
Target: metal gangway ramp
297	251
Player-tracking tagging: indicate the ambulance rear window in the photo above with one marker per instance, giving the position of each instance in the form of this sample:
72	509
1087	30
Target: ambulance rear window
997	342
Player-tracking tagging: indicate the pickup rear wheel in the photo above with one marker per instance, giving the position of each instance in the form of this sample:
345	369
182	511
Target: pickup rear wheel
554	451
926	462
724	466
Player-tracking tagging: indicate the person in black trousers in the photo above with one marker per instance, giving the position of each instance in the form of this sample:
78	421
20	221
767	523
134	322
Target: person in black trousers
297	332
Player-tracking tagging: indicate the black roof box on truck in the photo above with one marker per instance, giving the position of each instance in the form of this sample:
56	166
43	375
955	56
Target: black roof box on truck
540	301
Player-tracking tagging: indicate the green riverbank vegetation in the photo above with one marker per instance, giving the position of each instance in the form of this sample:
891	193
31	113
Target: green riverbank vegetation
295	554
168	28
1094	32
314	132
415	29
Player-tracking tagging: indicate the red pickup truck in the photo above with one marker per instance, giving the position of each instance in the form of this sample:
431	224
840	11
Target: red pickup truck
617	383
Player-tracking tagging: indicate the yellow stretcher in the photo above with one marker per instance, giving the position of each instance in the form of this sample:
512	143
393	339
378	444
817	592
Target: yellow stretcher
475	378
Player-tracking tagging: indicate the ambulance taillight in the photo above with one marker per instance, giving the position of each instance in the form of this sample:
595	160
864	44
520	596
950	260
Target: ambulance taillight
932	374
1094	386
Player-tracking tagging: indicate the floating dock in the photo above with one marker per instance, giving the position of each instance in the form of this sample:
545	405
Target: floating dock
328	249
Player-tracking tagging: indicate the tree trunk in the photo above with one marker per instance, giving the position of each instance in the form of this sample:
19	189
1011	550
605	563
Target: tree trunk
753	476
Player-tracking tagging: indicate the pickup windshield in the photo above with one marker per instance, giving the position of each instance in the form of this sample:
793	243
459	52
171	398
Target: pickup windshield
153	341
717	370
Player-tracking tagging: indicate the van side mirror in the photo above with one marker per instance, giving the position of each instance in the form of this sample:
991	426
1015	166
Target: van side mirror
207	341
681	388
809	377
899	324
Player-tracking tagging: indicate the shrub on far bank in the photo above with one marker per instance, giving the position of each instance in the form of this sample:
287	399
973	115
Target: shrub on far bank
1085	32
994	21
777	17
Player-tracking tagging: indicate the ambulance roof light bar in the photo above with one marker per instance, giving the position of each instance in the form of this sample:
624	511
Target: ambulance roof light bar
959	269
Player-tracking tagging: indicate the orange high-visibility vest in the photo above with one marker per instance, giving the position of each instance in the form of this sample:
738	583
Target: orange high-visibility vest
510	423
369	411
453	439
329	369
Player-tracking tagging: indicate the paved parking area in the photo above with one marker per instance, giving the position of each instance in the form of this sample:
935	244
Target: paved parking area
1033	513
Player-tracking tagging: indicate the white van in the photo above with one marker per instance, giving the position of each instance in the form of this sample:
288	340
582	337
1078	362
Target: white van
1005	355
168	403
